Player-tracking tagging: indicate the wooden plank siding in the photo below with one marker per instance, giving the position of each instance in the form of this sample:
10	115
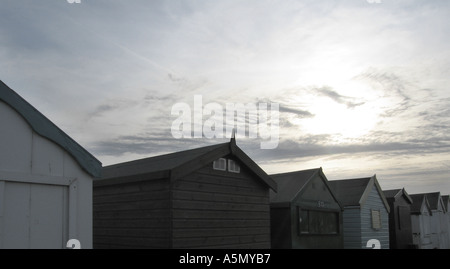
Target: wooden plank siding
352	228
374	202
132	215
220	209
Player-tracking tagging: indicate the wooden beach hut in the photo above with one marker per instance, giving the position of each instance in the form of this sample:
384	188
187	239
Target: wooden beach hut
400	227
366	219
209	197
305	213
439	230
45	180
421	222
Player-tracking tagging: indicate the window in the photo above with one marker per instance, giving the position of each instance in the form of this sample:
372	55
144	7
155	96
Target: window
317	222
376	219
220	164
233	166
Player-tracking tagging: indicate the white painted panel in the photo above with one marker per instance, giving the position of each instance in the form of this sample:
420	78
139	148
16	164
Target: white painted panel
47	157
2	203
15	141
46	219
34	215
16	216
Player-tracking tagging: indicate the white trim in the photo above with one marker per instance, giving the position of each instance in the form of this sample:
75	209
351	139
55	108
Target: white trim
2	203
217	164
73	210
37	179
233	166
2	195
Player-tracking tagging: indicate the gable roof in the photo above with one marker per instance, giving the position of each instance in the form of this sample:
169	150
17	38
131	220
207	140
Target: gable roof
176	165
354	192
396	193
291	184
44	127
434	200
419	200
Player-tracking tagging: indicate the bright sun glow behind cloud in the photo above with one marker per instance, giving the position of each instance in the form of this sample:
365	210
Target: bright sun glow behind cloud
333	118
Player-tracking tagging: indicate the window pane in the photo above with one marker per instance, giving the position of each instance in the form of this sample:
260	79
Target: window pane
318	222
233	166
220	164
303	221
376	219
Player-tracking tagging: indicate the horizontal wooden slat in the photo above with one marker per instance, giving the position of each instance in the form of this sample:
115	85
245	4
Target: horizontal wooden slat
131	197
131	223
219	197
145	205
215	214
129	242
132	187
219	232
133	232
214	188
220	223
262	241
132	214
220	206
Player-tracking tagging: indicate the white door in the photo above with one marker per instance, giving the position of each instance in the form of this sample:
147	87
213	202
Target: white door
34	215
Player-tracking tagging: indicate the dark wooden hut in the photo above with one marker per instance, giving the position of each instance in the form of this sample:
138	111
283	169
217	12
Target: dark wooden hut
209	197
305	213
400	227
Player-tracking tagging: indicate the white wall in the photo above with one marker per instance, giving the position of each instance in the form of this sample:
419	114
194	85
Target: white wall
47	170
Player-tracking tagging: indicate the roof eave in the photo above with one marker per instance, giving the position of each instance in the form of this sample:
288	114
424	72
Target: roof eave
46	128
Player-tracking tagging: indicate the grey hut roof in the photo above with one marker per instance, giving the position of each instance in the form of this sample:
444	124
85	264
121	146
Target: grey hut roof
419	200
354	192
434	199
395	193
44	127
292	184
178	164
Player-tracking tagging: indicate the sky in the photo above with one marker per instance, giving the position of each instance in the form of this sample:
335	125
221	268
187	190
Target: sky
361	85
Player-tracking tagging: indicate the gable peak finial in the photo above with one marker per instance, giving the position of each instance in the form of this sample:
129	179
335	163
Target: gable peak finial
233	137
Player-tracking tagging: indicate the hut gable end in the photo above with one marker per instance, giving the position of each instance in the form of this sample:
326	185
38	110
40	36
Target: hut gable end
214	197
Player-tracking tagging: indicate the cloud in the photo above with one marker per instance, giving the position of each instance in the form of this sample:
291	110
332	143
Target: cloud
335	96
298	112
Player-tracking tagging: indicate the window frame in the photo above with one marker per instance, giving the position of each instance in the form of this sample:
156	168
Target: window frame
222	164
233	166
376	220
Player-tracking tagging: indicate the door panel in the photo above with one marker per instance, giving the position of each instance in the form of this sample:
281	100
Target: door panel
34	215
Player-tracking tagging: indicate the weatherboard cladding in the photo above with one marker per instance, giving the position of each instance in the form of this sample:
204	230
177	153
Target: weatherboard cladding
179	201
359	197
374	202
44	127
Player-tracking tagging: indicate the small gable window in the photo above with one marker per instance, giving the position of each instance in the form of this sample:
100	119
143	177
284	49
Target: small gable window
233	166
220	164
